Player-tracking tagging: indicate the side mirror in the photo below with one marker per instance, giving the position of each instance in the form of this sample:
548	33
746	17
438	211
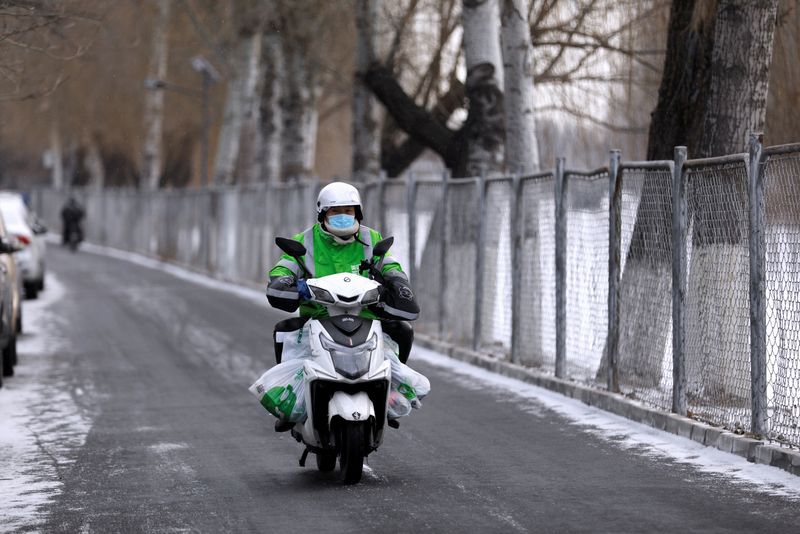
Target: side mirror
383	247
293	248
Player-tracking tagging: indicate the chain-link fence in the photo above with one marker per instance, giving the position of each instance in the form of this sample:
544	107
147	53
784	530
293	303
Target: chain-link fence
645	288
782	280
656	278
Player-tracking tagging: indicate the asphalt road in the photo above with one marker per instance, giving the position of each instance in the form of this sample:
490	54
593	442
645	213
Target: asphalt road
178	444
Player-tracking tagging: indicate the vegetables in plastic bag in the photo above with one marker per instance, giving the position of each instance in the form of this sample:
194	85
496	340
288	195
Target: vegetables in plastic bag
281	391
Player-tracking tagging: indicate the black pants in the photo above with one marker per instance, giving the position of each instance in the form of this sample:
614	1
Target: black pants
400	331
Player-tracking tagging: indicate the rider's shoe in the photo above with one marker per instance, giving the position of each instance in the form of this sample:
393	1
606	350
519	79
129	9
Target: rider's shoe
283	426
394	423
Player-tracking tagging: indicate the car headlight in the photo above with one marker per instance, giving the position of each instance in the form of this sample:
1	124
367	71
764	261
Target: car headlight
351	362
321	295
371	297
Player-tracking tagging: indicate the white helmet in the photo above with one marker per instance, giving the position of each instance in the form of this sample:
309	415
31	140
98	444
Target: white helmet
338	194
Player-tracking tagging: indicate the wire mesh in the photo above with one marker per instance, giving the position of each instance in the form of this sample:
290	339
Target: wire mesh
537	322
644	356
429	235
782	281
495	285
587	206
461	238
396	216
717	298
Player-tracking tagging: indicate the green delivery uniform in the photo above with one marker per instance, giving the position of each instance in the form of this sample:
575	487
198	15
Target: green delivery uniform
325	256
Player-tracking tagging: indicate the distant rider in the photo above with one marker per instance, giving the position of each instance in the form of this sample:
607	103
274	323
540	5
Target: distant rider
72	215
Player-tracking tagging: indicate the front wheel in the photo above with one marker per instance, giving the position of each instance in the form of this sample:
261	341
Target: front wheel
352	449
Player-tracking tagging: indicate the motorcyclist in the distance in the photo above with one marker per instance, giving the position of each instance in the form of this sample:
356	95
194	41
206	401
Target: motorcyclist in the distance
72	215
338	243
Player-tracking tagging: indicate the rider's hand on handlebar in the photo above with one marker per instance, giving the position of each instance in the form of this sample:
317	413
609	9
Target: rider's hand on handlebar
302	290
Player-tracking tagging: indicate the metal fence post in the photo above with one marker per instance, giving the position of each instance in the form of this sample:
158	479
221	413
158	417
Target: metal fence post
614	243
561	269
443	253
517	233
758	315
411	210
477	324
679	211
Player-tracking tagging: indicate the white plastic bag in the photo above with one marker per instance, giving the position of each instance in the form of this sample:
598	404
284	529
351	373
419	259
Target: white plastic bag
281	390
407	383
296	345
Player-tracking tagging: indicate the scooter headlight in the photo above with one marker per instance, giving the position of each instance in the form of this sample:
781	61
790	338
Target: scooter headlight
373	296
321	295
351	362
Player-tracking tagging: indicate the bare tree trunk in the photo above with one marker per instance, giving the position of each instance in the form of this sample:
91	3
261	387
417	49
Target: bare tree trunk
154	103
93	162
743	37
270	123
300	115
57	154
522	152
240	102
485	122
737	102
247	168
366	134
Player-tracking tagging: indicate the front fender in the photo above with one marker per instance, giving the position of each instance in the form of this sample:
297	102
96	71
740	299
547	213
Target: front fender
355	407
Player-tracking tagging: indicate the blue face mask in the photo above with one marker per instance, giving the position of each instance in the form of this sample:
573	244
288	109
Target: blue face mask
341	221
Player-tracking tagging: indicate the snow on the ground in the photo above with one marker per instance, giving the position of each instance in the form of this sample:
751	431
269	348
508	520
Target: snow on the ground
617	430
622	432
41	420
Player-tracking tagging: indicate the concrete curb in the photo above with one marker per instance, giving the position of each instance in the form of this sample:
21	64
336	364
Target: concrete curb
752	450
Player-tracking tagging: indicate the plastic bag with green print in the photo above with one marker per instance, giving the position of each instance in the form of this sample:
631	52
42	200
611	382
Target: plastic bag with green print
281	391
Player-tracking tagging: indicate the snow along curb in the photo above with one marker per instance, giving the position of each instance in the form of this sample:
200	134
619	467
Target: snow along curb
753	450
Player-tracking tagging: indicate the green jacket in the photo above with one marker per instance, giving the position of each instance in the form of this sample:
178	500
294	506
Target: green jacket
325	256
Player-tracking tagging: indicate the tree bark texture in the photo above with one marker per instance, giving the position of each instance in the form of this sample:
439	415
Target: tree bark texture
240	104
740	61
522	152
154	99
485	125
366	134
300	116
247	169
270	124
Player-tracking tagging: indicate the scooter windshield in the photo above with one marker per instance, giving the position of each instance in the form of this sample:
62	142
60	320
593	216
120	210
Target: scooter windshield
351	362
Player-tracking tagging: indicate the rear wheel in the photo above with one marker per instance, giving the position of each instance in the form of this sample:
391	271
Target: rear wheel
31	290
352	449
326	461
9	355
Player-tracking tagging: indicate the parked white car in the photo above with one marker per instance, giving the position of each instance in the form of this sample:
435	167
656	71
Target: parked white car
22	225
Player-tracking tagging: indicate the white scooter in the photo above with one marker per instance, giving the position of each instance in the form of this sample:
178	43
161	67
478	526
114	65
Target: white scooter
347	377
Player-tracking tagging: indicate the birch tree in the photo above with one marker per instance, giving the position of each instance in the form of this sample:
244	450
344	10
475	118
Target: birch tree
154	99
522	152
366	131
267	167
485	127
241	104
